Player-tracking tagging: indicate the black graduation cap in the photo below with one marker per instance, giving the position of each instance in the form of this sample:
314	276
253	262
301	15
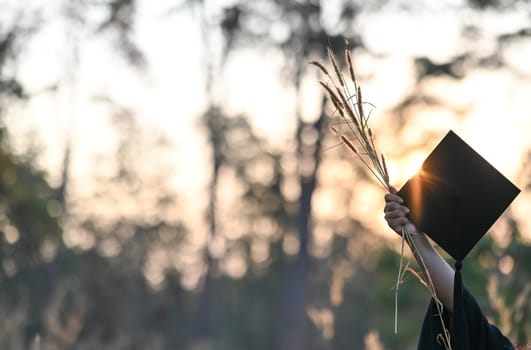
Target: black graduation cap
455	198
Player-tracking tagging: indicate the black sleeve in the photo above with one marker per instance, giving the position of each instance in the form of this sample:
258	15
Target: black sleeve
481	335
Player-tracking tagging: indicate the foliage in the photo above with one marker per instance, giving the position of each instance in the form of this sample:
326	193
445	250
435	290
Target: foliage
72	276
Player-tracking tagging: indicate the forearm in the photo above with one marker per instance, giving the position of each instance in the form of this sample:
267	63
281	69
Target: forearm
433	266
441	274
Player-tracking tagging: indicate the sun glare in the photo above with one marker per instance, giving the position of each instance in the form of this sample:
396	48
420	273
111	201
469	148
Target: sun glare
403	169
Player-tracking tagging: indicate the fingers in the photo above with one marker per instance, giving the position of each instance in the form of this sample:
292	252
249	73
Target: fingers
395	213
391	206
390	197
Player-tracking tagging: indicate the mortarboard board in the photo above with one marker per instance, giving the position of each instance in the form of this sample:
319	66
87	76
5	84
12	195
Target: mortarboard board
455	198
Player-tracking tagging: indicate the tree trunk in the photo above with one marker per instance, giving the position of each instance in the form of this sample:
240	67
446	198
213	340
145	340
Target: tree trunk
295	327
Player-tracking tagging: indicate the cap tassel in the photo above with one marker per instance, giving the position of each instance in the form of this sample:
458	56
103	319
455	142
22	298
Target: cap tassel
459	330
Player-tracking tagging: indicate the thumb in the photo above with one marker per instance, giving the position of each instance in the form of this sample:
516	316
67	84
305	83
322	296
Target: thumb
411	228
392	190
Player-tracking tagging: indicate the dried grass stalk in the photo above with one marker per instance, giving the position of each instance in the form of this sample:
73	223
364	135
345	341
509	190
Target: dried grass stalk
359	139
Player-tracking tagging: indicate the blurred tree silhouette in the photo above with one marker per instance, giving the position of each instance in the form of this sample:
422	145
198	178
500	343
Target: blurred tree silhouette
306	38
80	279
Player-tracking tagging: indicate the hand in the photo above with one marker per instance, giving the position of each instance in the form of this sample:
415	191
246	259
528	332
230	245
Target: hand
395	213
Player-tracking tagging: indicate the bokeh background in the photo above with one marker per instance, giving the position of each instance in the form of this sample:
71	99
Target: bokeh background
168	180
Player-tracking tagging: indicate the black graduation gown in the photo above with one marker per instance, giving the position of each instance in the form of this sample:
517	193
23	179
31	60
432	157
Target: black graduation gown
478	333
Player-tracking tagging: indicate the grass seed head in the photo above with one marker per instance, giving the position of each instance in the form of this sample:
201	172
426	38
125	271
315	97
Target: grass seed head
349	144
360	102
320	66
335	100
350	65
336	67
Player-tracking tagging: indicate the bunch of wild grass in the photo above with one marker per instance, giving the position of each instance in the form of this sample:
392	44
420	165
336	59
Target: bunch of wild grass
351	126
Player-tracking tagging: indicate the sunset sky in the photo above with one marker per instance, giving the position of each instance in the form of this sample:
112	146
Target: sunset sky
169	94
